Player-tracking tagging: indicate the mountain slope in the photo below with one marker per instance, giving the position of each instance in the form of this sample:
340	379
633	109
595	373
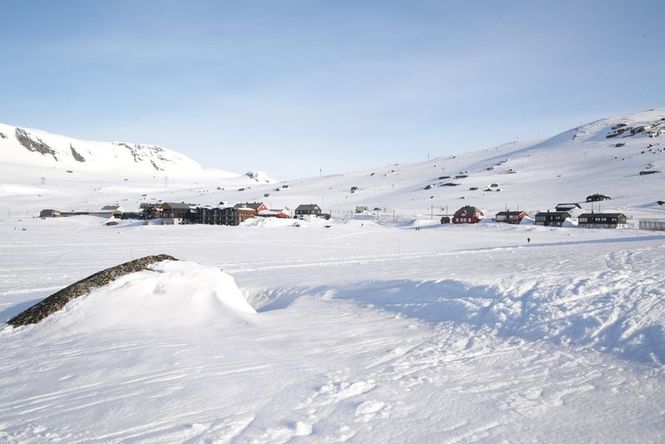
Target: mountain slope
38	148
623	157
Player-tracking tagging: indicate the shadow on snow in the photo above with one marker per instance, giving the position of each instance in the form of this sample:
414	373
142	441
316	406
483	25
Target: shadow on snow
532	315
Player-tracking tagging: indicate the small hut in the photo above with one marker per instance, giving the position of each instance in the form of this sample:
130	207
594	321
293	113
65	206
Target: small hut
597	197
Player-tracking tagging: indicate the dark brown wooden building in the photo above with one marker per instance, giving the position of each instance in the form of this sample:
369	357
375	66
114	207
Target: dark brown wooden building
597	197
256	206
180	212
49	213
150	210
552	218
510	217
307	210
602	220
568	206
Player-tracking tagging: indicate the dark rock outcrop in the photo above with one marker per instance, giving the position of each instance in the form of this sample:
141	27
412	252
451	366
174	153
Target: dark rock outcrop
58	300
77	156
142	152
33	144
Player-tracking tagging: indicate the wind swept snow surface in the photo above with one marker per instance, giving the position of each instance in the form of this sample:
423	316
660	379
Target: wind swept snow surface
384	326
363	332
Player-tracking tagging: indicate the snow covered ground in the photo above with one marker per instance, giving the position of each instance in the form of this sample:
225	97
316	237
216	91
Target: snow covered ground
362	332
385	327
528	175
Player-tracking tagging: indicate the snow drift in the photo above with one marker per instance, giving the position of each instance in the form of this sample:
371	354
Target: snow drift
167	294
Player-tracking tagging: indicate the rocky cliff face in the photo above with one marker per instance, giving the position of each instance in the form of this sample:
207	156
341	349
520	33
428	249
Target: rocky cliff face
33	144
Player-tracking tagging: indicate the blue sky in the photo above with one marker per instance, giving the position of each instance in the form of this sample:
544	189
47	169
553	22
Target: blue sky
293	86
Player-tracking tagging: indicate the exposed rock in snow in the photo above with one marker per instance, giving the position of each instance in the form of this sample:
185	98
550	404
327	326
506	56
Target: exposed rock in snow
36	148
34	144
59	299
76	155
260	176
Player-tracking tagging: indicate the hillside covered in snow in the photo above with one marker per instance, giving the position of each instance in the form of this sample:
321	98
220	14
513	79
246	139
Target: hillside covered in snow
621	157
39	150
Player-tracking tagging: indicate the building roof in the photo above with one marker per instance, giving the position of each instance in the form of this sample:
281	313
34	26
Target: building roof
553	213
178	205
308	207
468	211
568	205
252	205
111	208
602	215
271	212
510	213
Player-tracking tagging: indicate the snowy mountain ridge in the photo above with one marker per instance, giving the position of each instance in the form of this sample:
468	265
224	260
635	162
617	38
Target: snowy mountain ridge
38	148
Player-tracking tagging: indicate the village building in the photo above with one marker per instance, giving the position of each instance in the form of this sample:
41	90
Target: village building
597	197
223	215
307	210
552	218
178	212
242	214
226	216
49	212
278	213
602	220
114	211
256	206
568	206
133	215
445	219
467	215
204	215
150	210
510	217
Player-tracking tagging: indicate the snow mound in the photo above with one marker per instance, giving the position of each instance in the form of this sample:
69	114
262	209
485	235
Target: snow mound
569	223
417	223
269	222
275	222
361	222
168	294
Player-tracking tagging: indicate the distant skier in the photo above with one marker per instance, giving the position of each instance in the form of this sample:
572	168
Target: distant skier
528	240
